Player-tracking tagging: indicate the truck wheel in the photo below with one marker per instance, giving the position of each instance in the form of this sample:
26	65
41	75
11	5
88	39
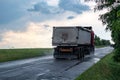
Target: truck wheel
78	56
55	57
92	50
82	56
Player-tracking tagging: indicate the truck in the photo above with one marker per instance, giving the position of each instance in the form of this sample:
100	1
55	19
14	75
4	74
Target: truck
72	41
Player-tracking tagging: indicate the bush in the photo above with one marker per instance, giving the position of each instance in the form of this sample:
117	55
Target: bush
116	56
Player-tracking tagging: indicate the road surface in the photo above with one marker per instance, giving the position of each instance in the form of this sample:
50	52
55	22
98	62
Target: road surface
47	68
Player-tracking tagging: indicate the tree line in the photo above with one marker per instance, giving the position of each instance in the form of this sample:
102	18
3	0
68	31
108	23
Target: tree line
101	42
112	21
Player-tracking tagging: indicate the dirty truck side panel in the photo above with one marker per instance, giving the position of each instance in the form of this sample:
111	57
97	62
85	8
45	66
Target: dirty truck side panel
84	37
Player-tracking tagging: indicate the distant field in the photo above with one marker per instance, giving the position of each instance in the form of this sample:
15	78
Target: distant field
15	54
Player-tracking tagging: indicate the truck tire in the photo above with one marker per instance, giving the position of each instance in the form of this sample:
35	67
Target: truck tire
79	54
83	55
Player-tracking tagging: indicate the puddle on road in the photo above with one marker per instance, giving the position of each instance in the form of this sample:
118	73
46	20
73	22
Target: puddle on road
96	60
51	77
24	61
48	75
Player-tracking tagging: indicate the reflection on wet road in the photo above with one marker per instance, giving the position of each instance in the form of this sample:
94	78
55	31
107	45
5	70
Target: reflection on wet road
46	68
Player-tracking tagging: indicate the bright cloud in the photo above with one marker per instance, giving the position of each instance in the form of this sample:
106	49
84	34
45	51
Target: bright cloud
36	35
52	2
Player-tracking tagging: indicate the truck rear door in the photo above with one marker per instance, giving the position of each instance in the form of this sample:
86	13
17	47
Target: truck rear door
63	36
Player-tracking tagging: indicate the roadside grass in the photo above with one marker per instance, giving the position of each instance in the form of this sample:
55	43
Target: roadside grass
105	69
15	54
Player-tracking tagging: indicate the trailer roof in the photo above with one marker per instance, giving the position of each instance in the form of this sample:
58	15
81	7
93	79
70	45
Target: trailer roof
86	28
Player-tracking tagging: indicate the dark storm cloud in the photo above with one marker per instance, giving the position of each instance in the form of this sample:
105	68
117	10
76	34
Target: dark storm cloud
73	5
11	13
64	5
15	14
10	10
70	17
46	26
44	8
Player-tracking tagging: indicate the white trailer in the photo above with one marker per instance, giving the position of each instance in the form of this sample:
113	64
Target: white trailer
67	39
71	36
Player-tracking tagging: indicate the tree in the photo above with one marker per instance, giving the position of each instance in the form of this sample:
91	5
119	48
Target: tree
101	42
112	21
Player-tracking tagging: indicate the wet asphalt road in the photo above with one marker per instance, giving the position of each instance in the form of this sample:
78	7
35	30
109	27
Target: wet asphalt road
46	68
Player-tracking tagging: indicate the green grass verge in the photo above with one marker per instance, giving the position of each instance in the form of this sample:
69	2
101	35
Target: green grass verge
15	54
105	69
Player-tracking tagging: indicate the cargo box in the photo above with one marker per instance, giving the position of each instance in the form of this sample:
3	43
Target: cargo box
71	36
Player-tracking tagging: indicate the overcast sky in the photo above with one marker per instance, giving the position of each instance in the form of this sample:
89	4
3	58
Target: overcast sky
28	23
